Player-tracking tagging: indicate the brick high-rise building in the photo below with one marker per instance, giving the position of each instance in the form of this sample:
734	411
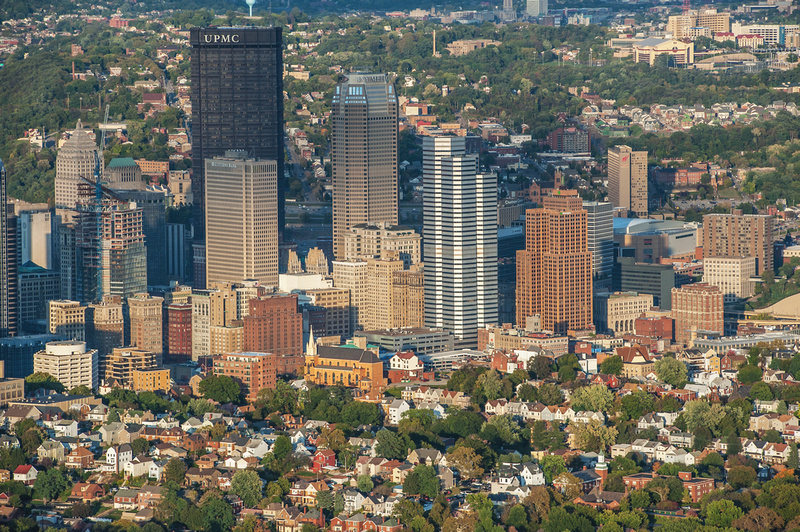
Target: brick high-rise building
364	116
335	302
379	293
275	326
554	271
254	371
697	308
627	179
117	368
237	103
105	325
366	241
739	235
408	298
146	321
178	332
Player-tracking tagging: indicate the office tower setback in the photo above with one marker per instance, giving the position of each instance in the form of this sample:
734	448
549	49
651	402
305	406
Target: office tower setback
739	235
176	252
275	325
105	325
9	311
600	238
317	262
241	219
237	103
627	180
35	230
70	363
364	118
365	241
460	240
697	310
67	319
145	324
75	163
554	271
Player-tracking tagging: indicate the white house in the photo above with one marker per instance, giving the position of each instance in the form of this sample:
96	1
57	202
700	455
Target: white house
396	410
117	457
138	467
406	361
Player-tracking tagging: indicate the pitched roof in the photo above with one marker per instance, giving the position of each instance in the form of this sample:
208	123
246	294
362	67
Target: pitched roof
347	353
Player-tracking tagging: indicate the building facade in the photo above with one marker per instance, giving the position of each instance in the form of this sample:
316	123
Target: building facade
344	366
460	244
554	271
275	325
105	325
9	311
75	163
146	321
71	363
379	240
237	103
616	313
364	120
600	238
118	367
739	235
254	371
732	275
241	219
697	309
67	319
627	180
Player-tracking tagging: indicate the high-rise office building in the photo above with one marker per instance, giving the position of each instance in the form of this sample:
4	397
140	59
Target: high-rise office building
36	236
237	103
122	173
732	275
75	163
364	117
37	287
740	235
600	238
627	179
9	311
365	241
408	298
536	8
241	219
352	275
67	319
105	325
379	292
697	309
460	240
154	222
146	321
554	271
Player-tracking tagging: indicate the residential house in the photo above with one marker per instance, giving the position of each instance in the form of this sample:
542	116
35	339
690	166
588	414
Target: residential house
117	457
51	449
80	458
25	474
322	459
395	411
125	499
87	492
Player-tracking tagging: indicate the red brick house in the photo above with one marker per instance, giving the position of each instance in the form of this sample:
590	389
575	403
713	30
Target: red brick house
80	458
697	487
87	492
323	458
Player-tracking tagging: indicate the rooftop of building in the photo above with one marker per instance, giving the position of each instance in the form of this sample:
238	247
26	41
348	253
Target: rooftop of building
629	226
347	352
402	332
122	162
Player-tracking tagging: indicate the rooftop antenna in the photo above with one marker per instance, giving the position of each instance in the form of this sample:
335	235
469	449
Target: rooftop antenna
250	3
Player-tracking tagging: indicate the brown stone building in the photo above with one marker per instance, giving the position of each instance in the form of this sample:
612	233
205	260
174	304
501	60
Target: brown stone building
739	235
254	371
347	366
697	308
554	271
105	325
627	180
146	323
408	297
276	326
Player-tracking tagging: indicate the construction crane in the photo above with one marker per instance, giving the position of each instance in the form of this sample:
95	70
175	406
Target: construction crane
686	6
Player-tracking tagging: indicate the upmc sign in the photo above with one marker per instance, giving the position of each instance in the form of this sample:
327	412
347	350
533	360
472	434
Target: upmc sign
216	38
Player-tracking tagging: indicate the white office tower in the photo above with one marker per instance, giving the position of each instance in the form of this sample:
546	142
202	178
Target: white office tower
460	240
536	8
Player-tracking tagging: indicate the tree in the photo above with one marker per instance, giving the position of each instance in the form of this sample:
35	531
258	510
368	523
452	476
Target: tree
50	484
42	380
793	462
569	484
140	446
390	445
671	371
365	484
552	466
217	515
722	513
466	461
81	390
640	499
637	404
667	489
483	510
560	520
759	520
593	436
490	383
221	388
734	444
175	470
748	374
538	502
540	367
422	481
550	394
596	398
506	428
612	365
517	517
741	477
282	447
200	407
700	413
247	485
761	390
358	413
325	500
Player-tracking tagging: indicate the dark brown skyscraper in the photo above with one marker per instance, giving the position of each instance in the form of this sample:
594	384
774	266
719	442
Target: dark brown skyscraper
8	263
237	102
363	154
